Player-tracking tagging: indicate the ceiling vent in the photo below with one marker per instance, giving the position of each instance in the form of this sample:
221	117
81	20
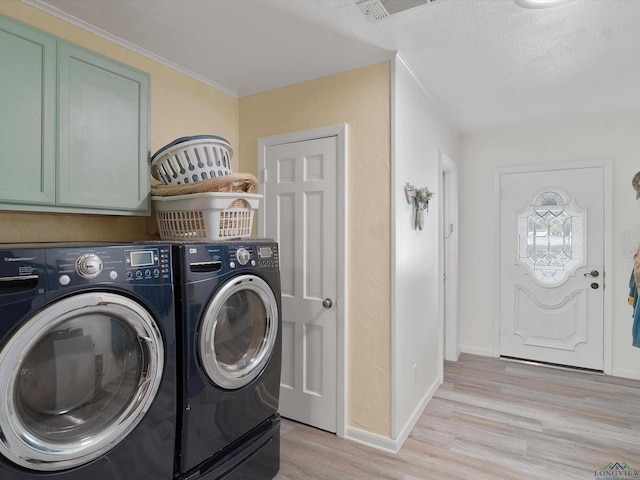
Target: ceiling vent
376	10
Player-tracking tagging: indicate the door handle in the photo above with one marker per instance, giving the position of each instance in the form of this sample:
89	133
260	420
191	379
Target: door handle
592	273
327	303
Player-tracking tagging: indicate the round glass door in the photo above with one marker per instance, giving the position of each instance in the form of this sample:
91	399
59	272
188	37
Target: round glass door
238	332
76	378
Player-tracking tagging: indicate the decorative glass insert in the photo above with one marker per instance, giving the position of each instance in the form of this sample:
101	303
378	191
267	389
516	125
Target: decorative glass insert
550	233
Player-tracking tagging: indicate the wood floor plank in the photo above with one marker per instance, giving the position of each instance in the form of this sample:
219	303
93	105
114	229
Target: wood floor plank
491	419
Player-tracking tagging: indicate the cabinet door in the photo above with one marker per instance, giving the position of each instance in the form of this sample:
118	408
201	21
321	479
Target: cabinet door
103	133
27	115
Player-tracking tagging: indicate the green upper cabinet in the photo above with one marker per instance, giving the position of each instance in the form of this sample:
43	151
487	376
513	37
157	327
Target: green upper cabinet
77	141
27	114
102	132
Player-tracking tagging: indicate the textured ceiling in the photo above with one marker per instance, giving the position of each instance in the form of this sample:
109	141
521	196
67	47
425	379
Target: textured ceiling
486	64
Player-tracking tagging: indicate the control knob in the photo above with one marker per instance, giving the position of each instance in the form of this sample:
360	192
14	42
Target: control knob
243	256
89	265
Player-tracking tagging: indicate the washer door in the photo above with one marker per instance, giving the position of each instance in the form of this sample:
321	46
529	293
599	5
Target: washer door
76	378
238	332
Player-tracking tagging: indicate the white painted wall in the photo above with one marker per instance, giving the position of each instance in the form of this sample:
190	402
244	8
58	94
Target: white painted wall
419	132
614	137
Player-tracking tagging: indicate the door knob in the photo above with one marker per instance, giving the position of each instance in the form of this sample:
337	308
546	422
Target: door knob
592	273
327	303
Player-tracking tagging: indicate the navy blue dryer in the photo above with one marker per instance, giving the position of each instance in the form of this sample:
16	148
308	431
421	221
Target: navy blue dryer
87	362
229	331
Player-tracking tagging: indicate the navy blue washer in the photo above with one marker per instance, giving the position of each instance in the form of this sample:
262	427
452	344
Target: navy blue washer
93	364
228	425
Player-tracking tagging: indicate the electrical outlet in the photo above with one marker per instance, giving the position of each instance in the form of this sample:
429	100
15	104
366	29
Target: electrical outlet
627	251
625	238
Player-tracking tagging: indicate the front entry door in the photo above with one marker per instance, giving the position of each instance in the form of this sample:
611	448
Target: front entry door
551	266
301	208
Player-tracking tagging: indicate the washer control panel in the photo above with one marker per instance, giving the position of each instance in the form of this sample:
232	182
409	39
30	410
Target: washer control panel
267	256
119	264
217	261
217	257
147	262
254	255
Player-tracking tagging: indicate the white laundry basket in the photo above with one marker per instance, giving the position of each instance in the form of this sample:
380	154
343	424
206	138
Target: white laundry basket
192	159
206	216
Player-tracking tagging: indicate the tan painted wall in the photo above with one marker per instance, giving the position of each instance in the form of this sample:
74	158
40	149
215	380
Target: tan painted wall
180	106
361	99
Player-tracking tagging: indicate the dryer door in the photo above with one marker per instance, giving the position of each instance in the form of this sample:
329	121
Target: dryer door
238	332
76	378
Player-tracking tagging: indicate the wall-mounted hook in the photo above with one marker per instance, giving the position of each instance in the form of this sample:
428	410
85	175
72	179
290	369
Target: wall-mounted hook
419	200
410	192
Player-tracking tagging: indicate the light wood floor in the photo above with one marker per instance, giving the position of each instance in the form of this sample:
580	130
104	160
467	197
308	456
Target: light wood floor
491	419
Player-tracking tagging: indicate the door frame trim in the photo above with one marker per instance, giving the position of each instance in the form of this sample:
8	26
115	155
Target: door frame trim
341	132
607	165
448	213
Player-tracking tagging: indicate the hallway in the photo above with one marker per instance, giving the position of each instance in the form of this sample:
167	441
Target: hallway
491	419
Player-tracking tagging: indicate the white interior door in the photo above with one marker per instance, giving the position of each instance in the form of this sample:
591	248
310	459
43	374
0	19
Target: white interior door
300	211
551	266
449	229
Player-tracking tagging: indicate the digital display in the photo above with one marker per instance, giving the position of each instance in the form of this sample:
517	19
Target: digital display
141	258
265	252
